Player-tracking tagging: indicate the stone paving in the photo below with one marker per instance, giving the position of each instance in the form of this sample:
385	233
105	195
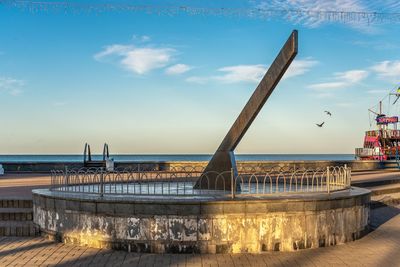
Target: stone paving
21	185
379	248
17	185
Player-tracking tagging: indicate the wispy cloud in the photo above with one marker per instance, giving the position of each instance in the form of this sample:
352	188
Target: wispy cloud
352	76
311	15
233	74
11	86
387	70
177	69
312	19
241	73
139	60
300	67
377	91
116	49
341	80
253	73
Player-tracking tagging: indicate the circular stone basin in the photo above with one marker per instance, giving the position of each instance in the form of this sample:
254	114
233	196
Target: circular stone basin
203	223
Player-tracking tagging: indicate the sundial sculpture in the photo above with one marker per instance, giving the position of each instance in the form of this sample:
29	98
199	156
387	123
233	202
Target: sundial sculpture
223	160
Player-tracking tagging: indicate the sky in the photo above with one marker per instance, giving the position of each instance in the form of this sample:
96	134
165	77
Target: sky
174	82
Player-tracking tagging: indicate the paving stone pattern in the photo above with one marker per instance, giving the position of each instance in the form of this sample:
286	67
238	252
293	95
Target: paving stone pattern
16	218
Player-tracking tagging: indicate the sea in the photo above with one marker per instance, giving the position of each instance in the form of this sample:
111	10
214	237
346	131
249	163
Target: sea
174	157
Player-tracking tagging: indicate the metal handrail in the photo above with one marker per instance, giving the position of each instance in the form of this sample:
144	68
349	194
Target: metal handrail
180	181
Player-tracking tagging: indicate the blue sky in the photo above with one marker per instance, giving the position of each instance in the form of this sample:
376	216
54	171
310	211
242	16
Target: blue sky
174	83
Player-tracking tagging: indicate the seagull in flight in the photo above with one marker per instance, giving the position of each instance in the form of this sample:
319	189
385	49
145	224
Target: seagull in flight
320	125
328	113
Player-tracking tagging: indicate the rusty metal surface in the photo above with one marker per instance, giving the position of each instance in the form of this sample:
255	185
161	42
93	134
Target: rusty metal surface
224	159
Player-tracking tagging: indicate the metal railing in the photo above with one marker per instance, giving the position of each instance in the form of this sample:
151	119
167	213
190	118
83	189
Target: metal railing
180	181
386	133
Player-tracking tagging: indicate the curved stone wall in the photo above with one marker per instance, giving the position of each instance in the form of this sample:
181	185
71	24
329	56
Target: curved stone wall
203	225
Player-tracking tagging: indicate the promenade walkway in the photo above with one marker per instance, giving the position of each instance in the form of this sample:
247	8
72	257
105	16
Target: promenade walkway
22	184
379	248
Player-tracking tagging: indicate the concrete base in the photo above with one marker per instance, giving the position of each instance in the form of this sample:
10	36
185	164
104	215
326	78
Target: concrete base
218	172
204	225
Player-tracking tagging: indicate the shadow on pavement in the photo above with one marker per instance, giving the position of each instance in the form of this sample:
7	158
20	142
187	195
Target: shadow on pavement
22	248
382	213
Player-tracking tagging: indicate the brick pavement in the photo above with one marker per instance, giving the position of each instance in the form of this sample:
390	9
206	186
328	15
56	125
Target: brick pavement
379	248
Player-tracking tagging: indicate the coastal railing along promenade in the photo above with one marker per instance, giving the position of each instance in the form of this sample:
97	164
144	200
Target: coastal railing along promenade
179	181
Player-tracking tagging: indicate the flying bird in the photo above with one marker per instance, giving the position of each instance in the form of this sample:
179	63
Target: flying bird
320	125
328	113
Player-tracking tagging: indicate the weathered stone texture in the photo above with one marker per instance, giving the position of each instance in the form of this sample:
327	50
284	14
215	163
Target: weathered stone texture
234	229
